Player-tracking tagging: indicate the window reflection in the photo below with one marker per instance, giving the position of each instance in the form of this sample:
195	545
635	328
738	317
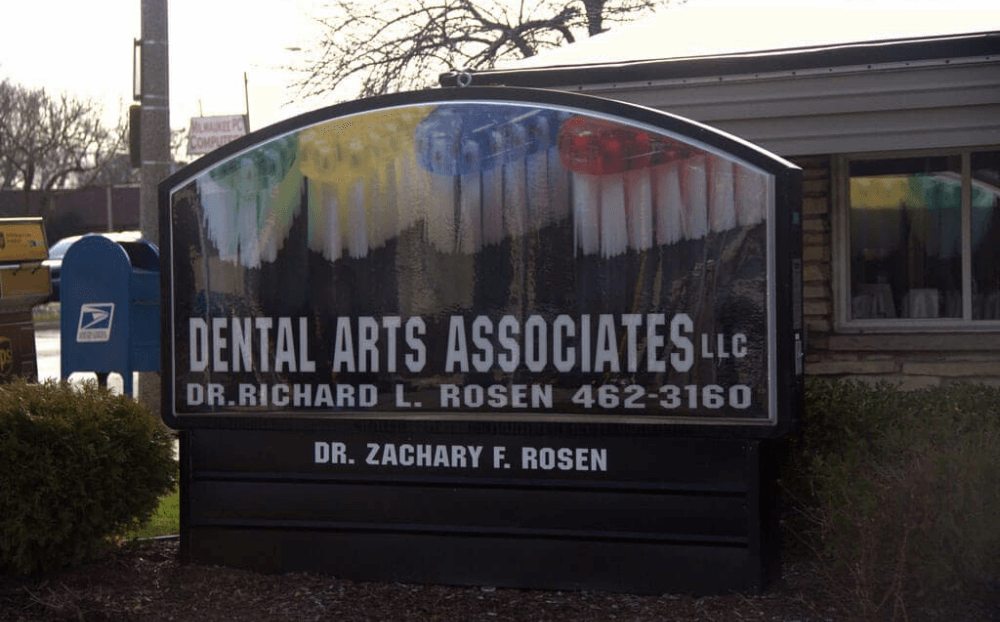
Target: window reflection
906	242
906	237
985	223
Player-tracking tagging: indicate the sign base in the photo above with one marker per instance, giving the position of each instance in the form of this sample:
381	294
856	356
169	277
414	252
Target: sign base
704	526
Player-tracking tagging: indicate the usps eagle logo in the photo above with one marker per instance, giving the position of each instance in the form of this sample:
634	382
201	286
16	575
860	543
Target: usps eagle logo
95	322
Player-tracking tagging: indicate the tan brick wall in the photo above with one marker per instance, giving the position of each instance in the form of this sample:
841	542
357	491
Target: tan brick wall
817	299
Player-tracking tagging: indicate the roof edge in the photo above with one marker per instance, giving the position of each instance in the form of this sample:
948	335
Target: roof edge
763	61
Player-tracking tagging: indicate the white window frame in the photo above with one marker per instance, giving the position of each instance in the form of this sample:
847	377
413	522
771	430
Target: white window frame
840	239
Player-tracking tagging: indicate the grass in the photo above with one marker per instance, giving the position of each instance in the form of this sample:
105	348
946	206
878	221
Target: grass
165	521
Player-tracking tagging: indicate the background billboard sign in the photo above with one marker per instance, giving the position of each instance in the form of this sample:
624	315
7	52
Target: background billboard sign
483	255
210	133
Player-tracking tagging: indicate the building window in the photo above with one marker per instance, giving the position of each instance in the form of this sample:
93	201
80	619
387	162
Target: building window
923	240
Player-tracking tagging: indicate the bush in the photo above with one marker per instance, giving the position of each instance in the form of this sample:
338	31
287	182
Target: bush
79	464
900	489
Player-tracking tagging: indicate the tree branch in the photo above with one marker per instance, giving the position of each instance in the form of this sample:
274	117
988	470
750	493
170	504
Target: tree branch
408	43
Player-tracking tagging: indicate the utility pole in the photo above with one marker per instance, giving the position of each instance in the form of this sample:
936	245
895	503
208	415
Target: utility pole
155	162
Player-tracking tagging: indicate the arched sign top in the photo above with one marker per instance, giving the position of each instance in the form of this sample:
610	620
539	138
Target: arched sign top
483	254
707	136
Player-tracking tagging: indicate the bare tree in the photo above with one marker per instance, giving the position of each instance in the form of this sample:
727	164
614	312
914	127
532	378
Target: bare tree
111	165
406	44
48	143
8	167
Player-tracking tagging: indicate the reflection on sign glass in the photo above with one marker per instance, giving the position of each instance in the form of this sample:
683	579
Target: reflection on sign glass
470	260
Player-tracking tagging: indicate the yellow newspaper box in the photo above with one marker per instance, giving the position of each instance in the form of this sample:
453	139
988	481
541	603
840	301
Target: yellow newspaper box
24	283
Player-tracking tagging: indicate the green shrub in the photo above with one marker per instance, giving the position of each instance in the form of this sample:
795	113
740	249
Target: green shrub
78	465
900	489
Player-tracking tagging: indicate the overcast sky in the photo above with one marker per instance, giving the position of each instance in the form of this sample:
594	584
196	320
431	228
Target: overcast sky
85	48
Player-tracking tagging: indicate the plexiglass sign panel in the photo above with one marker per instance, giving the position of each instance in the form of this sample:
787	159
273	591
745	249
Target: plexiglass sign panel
482	254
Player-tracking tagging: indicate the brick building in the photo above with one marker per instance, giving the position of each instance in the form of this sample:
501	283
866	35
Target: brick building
894	117
72	212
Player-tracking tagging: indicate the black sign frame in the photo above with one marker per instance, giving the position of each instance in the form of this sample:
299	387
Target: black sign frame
785	329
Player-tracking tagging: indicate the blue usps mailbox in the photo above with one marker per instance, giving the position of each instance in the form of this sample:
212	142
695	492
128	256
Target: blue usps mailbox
110	317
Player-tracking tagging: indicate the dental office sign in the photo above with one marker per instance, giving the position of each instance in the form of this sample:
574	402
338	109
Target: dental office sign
484	255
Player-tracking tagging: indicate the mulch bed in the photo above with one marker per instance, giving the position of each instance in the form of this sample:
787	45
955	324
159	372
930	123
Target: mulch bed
145	582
